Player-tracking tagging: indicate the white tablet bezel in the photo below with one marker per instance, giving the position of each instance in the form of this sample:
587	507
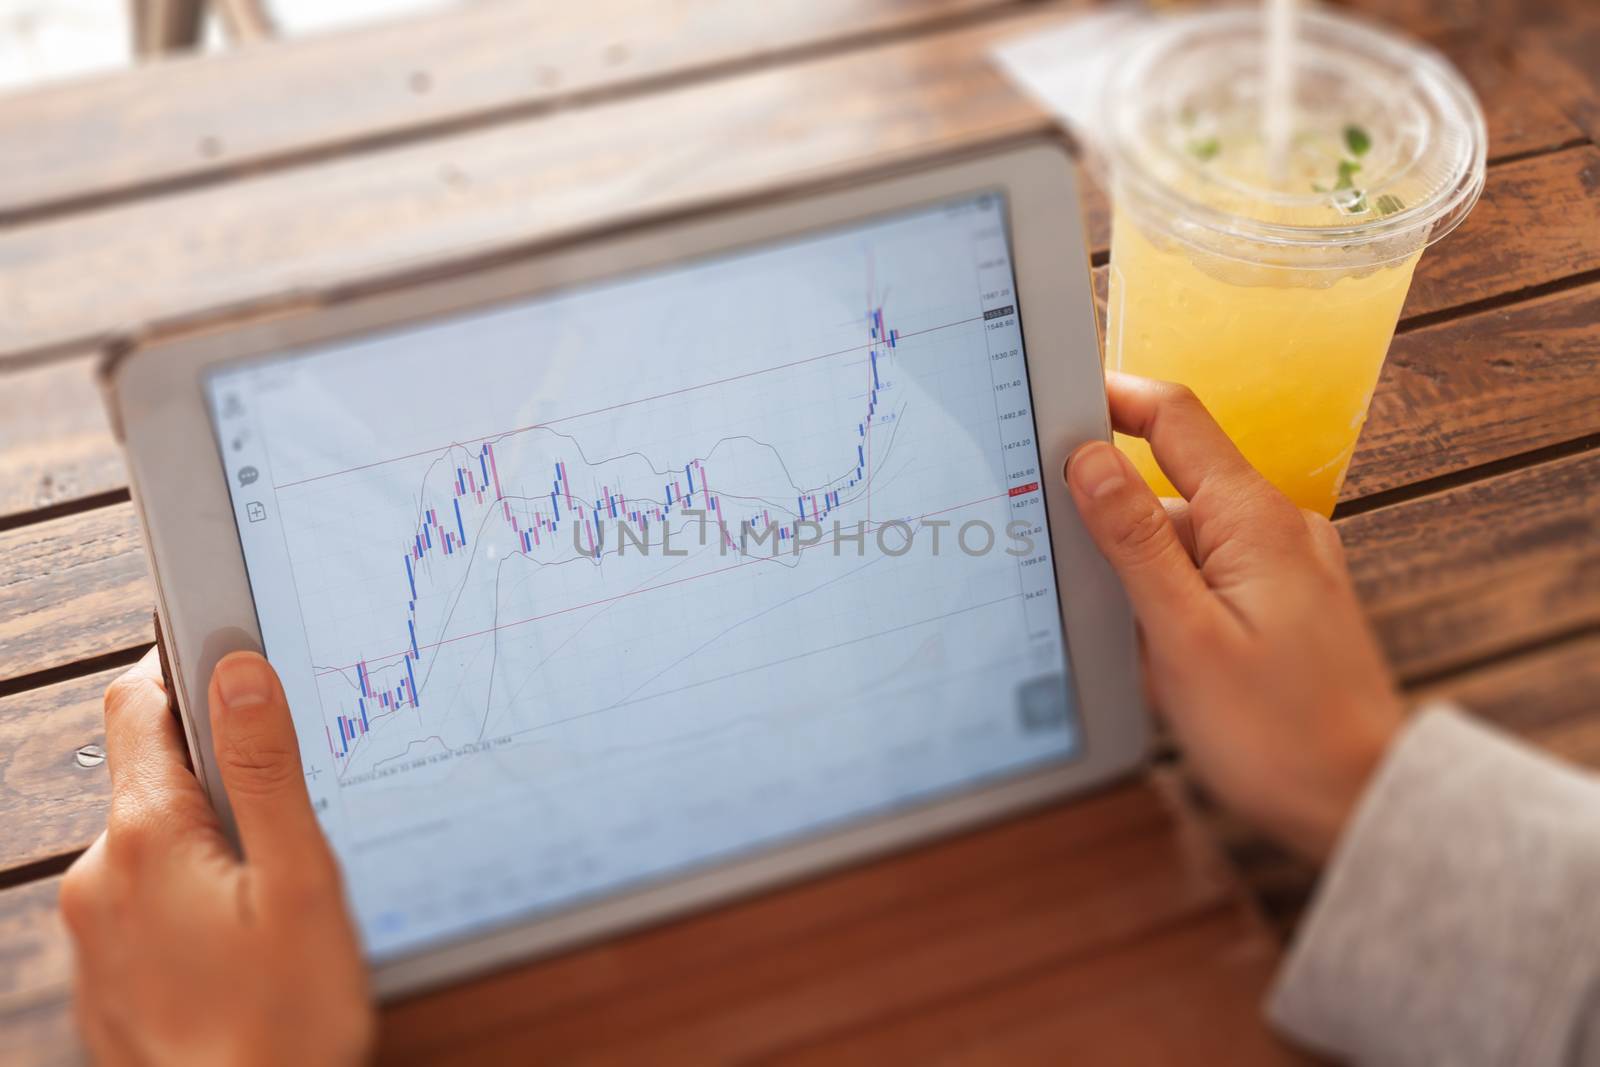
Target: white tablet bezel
206	609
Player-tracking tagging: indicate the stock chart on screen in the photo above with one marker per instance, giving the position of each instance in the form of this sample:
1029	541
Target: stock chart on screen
578	592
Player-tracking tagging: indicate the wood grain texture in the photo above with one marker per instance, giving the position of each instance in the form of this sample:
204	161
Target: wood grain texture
1563	61
1537	696
1458	575
1481	388
901	934
51	805
55	445
514	186
1492	20
1099	897
233	111
72	588
523	184
35	978
1103	928
1195	986
1520	115
765	925
1453	395
1538	221
35	958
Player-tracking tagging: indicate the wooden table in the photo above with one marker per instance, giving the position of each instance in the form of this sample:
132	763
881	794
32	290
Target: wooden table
199	192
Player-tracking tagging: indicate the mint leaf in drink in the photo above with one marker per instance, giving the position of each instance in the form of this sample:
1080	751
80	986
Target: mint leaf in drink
1347	174
1388	204
1357	140
1205	150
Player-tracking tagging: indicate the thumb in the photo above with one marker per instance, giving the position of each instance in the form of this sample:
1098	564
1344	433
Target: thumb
259	756
1136	535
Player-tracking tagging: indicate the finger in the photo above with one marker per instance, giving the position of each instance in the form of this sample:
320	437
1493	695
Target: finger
1194	452
153	793
1182	524
82	887
1132	530
259	757
1325	540
144	745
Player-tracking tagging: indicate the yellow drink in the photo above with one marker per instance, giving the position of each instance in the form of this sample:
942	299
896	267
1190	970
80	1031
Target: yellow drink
1285	359
1267	272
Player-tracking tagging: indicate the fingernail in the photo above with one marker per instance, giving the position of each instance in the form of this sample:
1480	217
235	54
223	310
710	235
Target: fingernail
1096	470
244	681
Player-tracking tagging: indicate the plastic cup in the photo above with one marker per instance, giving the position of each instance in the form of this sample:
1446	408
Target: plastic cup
1271	286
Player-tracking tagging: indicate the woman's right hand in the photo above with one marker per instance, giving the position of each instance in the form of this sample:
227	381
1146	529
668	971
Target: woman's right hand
1256	650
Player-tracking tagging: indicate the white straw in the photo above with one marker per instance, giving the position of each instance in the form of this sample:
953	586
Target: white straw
1278	108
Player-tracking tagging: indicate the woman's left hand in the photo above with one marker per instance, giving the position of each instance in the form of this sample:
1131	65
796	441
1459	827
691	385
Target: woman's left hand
188	953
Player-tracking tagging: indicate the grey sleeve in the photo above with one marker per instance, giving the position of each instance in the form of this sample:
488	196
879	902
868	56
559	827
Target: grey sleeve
1459	921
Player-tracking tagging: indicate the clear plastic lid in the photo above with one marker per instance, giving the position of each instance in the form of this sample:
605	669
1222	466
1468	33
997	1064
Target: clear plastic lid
1386	152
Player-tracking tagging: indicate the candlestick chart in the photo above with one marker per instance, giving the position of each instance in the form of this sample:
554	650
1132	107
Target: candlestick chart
571	592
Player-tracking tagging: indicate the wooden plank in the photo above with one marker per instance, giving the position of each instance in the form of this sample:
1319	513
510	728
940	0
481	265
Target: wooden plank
1576	740
1491	565
1549	696
1538	222
1477	389
72	588
210	116
1563	60
687	992
514	186
1520	116
1072	883
41	1032
526	183
51	803
1492	20
35	957
535	181
35	978
770	924
55	445
1190	992
207	117
1421	18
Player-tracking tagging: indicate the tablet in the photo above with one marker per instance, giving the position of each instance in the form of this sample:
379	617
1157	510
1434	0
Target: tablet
612	580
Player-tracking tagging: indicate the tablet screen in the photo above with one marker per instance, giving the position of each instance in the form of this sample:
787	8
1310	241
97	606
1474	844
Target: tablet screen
590	590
